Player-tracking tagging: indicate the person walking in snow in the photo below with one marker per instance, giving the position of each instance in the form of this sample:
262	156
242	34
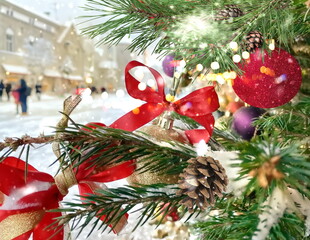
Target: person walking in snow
23	96
1	89
15	95
8	88
38	90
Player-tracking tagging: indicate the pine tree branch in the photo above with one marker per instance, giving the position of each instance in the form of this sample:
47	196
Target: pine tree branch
291	121
120	201
146	20
14	143
120	146
271	164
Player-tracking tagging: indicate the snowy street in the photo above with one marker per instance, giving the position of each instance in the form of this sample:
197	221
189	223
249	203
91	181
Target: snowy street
45	113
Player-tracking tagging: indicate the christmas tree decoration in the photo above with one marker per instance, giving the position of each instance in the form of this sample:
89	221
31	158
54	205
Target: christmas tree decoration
187	78
283	4
191	106
69	105
169	65
162	131
201	181
254	40
230	11
40	192
172	231
269	80
25	202
172	216
274	208
232	107
267	172
243	120
198	105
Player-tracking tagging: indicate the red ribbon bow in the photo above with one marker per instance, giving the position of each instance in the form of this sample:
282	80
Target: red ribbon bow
37	192
197	105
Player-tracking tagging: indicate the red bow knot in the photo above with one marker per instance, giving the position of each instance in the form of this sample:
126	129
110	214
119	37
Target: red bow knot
197	105
28	197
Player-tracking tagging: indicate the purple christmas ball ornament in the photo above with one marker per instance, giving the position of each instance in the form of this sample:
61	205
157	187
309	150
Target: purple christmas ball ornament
243	119
169	65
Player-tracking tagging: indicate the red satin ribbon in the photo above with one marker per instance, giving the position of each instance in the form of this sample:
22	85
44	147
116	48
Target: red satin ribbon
12	175
47	196
197	105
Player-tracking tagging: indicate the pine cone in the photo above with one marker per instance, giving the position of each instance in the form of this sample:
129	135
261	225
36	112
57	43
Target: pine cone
200	181
283	4
230	11
254	40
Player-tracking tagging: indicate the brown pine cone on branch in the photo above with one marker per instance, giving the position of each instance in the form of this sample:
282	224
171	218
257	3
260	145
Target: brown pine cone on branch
283	4
201	181
253	41
230	11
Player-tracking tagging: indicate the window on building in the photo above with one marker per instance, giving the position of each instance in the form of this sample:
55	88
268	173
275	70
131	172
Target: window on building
9	12
31	21
9	40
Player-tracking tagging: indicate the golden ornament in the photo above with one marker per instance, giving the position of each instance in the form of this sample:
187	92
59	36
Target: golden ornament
172	230
267	172
162	131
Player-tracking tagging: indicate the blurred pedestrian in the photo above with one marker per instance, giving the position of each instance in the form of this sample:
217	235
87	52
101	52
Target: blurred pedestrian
15	95
1	89
8	88
38	90
22	90
103	89
93	90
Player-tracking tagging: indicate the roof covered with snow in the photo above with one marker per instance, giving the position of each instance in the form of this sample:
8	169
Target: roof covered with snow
16	4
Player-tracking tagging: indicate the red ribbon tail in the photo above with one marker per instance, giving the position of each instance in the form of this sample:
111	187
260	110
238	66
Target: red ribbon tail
87	188
196	135
44	230
117	172
24	236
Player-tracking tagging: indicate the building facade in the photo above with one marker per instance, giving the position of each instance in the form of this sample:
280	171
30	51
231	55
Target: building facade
39	49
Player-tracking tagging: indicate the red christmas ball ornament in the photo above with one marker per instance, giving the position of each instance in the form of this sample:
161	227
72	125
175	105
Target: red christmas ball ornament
269	79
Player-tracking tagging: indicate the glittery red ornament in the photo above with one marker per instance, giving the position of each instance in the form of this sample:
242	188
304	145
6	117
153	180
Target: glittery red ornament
269	79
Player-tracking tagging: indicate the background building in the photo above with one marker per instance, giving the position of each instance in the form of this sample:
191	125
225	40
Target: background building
44	51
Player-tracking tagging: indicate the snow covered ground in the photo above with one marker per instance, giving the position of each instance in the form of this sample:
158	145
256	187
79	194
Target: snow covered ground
44	114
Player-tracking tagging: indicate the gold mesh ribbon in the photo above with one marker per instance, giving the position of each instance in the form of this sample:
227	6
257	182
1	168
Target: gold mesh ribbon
21	223
69	105
64	180
24	222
